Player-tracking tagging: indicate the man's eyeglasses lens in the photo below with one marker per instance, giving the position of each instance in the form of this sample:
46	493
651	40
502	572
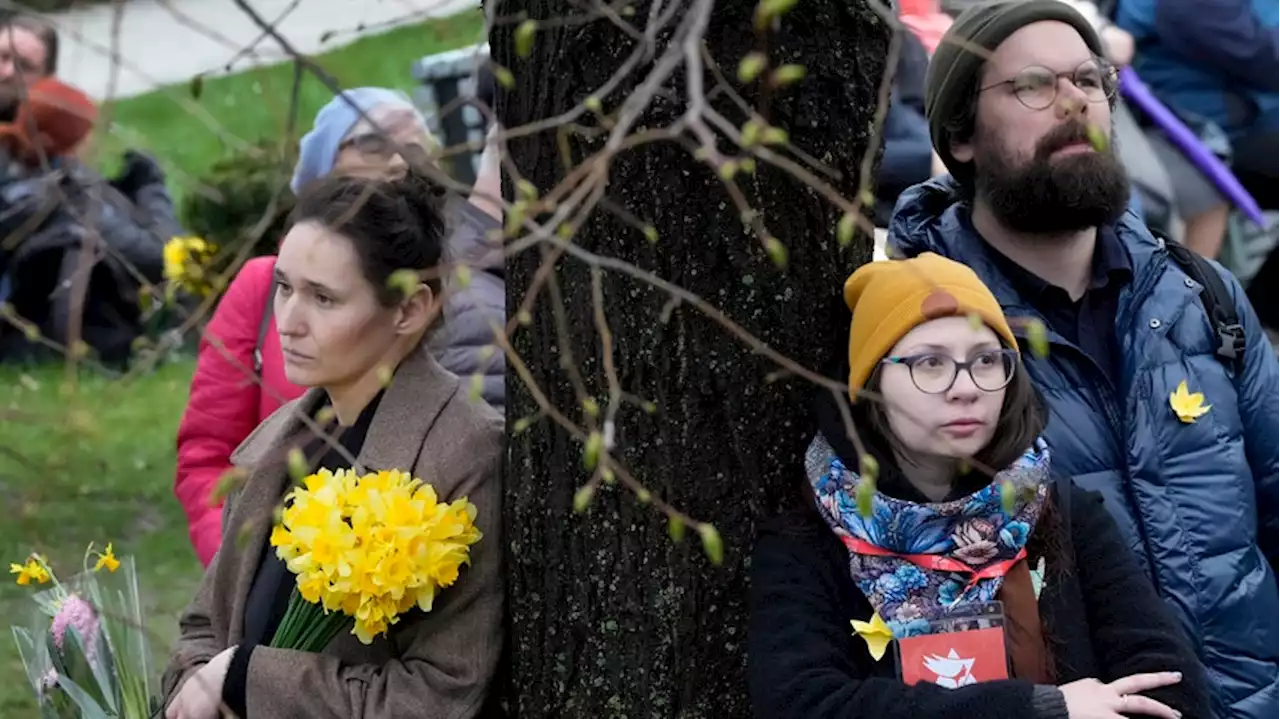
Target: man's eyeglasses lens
936	373
1037	87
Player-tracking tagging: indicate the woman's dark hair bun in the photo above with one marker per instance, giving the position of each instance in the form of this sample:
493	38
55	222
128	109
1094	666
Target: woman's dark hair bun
392	224
425	197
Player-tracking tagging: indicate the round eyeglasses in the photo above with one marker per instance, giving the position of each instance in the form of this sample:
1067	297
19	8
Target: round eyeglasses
932	373
374	143
381	146
1036	87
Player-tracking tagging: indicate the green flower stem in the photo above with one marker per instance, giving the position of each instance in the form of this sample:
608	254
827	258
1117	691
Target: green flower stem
323	631
310	616
288	624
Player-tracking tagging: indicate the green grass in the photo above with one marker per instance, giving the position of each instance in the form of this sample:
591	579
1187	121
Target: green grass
92	465
188	133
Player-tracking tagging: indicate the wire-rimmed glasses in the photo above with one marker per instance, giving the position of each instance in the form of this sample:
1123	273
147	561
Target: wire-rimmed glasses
1036	87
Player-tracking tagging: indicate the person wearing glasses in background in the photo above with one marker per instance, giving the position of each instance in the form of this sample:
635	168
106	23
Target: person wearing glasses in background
28	54
1180	440
239	379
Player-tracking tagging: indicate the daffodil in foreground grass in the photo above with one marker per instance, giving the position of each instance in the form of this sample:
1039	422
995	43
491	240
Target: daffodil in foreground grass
107	560
83	647
367	549
33	570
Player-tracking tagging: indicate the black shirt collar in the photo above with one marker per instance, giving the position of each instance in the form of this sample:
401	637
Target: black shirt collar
1111	264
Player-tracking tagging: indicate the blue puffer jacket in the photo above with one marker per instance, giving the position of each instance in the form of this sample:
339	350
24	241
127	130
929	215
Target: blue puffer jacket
1193	501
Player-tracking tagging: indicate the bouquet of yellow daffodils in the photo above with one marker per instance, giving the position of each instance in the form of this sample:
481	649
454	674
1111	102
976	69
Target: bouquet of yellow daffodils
366	548
85	651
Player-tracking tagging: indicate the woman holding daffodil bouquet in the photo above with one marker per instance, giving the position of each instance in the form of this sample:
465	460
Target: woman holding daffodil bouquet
915	585
376	592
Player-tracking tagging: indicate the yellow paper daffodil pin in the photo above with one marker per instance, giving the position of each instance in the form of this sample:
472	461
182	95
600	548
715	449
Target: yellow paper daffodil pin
876	634
1188	405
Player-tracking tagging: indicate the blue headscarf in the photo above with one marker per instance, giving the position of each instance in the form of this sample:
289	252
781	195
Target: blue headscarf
319	148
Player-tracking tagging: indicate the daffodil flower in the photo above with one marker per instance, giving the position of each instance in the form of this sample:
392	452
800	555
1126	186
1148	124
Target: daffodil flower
108	560
185	262
32	571
372	547
1188	405
875	633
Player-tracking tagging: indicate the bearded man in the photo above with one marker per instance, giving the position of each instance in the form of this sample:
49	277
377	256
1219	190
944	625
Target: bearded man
1019	104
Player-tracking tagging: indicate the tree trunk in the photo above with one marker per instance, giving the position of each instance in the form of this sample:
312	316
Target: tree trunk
609	617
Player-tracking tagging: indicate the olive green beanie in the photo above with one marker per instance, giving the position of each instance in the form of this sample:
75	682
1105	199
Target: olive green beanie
956	63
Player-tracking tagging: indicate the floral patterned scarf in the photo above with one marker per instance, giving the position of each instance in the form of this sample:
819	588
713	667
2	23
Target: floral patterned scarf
975	530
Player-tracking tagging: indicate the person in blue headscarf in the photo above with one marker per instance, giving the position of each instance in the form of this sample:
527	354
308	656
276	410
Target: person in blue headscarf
362	131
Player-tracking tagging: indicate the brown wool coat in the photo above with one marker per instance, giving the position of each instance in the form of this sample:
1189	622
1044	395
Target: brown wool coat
438	664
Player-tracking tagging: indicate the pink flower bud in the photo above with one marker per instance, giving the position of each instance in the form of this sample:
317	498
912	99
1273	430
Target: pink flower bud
76	612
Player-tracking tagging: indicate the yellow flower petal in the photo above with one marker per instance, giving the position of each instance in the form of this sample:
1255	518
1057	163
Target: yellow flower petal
1187	405
32	571
108	560
875	633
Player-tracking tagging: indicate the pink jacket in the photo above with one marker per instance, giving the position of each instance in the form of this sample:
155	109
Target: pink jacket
926	20
226	403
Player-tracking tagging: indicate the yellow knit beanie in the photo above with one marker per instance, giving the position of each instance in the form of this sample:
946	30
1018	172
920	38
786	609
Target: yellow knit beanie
890	298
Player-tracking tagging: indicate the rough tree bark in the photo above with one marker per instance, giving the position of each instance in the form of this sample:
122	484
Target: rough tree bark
609	617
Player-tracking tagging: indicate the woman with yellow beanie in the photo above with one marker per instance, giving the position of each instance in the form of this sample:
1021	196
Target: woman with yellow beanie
917	585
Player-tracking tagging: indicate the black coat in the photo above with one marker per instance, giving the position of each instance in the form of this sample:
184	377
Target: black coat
1103	620
46	215
908	150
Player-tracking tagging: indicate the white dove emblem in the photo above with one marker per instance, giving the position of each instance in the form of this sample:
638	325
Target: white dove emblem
952	671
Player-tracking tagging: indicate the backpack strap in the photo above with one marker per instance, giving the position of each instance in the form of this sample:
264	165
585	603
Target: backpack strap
264	324
1217	301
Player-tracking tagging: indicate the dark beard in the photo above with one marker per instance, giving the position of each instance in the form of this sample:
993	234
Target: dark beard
1047	197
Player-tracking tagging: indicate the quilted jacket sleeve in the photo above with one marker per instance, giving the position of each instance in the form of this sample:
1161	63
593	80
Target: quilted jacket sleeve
223	407
462	344
1132	629
1257	387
